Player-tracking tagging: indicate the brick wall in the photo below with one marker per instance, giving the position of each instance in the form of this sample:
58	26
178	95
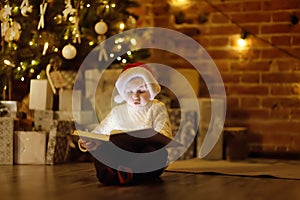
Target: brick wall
262	82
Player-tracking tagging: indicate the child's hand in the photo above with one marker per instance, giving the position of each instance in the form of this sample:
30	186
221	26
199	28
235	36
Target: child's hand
87	145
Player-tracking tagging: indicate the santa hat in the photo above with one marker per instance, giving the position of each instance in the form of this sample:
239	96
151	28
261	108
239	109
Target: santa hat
135	70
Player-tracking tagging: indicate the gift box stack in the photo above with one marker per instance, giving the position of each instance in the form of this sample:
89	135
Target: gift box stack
6	140
50	140
184	125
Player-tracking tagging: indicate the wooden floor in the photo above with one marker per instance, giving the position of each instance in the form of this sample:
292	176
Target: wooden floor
77	181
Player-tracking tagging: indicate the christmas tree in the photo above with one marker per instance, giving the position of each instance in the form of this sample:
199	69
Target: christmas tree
35	31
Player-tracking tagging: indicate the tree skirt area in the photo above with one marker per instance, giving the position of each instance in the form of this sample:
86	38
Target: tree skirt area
284	169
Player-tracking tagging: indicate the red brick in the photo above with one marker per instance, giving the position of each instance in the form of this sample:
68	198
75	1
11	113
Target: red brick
230	77
251	6
276	28
250	102
251	66
203	41
190	31
248	89
296	40
282	113
161	10
274	127
251	17
281	77
274	53
162	21
281	16
221	30
281	5
260	41
222	41
295	113
222	54
229	7
250	78
288	65
217	18
280	102
257	113
281	40
232	102
283	90
254	29
223	66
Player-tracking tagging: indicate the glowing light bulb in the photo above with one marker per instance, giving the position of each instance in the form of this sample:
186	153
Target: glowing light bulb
241	43
122	26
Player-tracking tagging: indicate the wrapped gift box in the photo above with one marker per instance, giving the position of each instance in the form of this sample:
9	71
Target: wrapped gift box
65	100
184	127
63	115
43	119
30	147
60	141
6	140
205	119
41	96
58	147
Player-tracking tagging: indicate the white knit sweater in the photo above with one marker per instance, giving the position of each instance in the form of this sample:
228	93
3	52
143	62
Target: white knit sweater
127	118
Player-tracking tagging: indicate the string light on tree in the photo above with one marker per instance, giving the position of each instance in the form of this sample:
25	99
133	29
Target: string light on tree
39	30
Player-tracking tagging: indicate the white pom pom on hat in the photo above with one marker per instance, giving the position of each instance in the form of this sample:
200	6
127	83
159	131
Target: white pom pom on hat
135	70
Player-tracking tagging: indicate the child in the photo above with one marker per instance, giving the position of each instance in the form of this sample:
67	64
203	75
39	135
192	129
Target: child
136	86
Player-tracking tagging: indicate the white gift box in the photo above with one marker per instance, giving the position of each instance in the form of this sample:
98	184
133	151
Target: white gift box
30	147
41	96
65	100
205	105
6	140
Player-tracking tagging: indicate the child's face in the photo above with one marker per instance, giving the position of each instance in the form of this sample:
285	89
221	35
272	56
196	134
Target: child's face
137	93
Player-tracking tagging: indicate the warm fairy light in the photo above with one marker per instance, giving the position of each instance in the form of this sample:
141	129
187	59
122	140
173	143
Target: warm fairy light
38	77
122	26
119	58
22	78
124	61
30	43
34	62
31	70
19	68
88	5
179	3
91	43
55	49
7	62
112	55
113	5
242	43
46	45
133	41
129	53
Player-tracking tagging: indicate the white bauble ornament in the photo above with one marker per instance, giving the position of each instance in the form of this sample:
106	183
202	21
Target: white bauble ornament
101	27
69	51
26	10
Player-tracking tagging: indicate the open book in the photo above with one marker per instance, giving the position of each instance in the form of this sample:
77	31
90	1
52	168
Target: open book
132	138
